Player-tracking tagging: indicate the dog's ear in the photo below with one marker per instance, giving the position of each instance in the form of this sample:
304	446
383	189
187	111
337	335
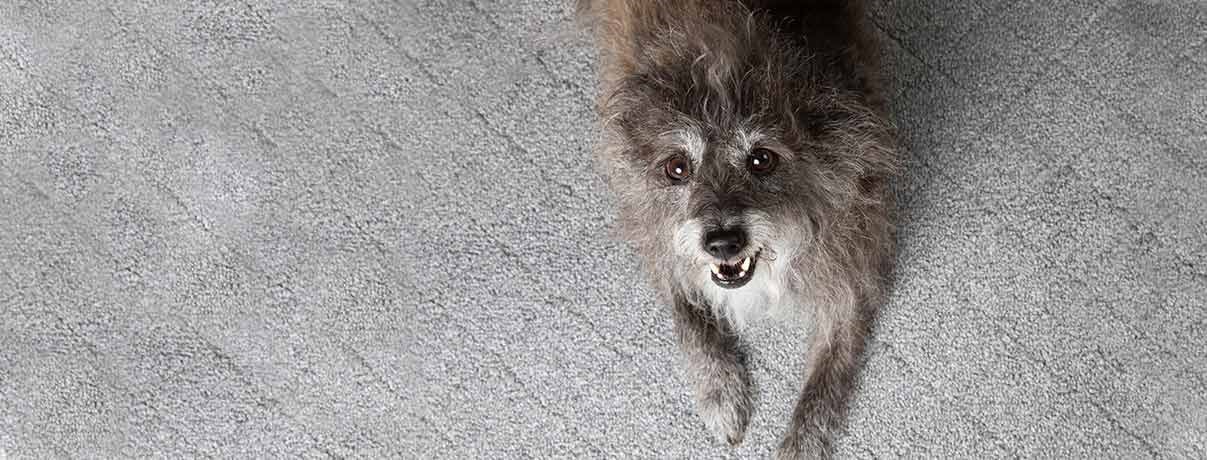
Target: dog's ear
623	28
635	35
614	27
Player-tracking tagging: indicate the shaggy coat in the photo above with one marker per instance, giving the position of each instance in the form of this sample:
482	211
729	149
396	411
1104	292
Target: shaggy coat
764	120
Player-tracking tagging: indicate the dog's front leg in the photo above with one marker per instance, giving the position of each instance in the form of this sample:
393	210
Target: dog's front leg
716	369
835	351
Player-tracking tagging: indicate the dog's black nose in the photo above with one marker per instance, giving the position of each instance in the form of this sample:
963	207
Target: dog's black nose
724	244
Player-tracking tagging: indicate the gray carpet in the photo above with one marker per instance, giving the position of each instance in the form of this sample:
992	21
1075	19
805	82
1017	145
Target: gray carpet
371	229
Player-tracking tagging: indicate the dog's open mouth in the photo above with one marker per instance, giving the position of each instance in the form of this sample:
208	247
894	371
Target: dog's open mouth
736	275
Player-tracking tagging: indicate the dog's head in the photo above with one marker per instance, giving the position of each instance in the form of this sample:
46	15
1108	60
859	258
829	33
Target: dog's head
730	148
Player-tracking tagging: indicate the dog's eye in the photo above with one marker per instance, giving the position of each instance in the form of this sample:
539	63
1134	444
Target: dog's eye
761	161
678	169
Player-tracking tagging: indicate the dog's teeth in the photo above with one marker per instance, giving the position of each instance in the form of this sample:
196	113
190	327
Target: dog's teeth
715	269
745	265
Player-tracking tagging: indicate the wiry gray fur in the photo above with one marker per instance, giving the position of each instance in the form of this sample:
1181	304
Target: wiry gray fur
712	81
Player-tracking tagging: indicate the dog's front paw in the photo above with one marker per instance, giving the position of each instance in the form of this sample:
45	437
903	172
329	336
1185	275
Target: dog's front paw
725	418
726	411
802	443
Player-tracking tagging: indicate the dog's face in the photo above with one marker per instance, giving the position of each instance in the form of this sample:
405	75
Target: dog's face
726	199
727	158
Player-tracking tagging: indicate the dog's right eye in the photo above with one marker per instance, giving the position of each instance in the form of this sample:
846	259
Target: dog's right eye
678	169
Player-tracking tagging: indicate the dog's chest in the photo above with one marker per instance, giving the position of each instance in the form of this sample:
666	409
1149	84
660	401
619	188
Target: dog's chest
763	296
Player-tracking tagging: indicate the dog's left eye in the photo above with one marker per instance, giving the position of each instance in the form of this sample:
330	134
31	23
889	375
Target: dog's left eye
761	161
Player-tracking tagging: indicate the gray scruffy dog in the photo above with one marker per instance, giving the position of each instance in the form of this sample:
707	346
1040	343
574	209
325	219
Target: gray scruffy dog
748	148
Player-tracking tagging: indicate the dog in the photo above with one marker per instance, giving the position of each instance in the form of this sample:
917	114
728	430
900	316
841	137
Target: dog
749	150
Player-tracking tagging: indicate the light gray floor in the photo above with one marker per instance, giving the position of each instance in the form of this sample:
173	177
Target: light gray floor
355	228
